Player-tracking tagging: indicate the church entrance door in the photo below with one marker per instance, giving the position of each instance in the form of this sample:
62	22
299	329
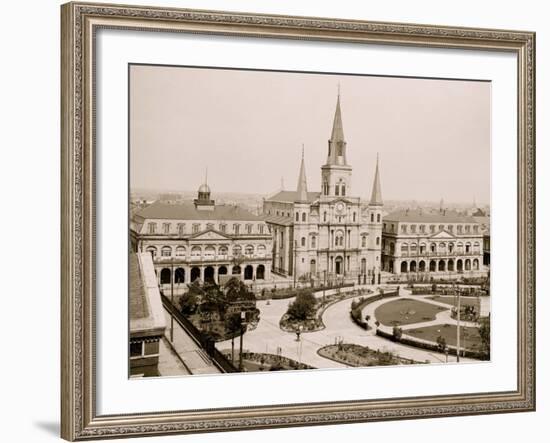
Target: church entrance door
339	265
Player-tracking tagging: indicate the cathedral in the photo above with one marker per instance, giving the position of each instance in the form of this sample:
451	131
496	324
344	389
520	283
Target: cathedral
330	235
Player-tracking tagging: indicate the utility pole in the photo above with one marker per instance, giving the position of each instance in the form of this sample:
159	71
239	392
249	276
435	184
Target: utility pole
243	327
458	328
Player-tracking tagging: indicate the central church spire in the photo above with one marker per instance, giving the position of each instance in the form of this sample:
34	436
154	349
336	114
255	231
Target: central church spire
337	143
336	173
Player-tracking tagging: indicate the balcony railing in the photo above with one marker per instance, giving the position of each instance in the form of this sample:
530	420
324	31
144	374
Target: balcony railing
214	258
429	254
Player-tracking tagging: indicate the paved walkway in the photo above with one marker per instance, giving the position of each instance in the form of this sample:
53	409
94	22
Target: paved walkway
268	336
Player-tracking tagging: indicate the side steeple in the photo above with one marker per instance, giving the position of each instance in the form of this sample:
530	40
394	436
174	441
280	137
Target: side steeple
302	181
376	196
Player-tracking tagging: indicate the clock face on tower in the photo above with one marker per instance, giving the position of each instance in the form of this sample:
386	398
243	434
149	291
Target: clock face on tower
340	207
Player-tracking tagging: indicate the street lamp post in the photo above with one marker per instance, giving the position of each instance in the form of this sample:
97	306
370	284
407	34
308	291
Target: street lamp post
295	254
171	299
299	343
325	283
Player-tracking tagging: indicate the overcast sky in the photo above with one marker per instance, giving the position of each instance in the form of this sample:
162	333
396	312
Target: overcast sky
248	127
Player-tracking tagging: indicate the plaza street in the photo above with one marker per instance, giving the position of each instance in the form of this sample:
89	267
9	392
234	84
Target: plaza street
268	336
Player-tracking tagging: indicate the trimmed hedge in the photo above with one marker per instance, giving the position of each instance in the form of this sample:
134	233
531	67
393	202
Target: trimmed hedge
355	313
430	346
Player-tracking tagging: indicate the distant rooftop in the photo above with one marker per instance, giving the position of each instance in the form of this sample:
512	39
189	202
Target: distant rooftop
188	211
292	196
418	216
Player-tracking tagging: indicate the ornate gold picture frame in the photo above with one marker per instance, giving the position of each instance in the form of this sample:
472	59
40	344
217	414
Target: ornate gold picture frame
80	22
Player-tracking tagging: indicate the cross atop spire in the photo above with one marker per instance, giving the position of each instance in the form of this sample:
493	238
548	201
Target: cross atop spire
376	196
302	181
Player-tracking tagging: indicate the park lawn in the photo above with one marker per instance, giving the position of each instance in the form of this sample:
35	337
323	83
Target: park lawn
406	312
469	337
451	300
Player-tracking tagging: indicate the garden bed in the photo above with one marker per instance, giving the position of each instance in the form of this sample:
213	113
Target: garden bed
361	356
315	322
260	362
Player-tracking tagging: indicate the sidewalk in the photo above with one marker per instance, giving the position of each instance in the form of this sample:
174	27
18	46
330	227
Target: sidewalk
194	358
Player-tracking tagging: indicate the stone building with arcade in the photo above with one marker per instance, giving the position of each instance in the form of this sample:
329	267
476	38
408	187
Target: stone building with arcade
332	234
200	239
444	243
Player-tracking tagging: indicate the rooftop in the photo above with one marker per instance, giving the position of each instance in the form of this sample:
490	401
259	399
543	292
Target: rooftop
188	211
146	312
279	220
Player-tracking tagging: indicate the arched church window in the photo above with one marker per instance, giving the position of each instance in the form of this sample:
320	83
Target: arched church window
337	190
297	216
378	218
303	216
303	241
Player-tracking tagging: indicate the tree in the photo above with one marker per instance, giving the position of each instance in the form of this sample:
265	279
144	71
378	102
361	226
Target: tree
485	335
189	303
302	307
236	290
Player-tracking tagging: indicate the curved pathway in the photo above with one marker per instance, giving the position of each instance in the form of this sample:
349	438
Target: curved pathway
268	336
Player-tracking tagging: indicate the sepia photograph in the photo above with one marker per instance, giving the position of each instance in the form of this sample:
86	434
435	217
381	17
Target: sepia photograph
286	220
